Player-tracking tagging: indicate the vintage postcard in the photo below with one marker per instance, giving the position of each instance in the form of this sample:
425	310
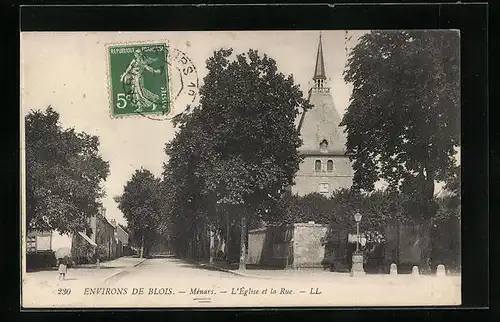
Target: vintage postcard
201	169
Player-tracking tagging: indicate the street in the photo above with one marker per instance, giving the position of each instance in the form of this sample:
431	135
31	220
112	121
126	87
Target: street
170	282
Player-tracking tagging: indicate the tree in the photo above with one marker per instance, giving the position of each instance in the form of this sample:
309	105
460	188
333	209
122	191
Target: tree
64	173
403	120
141	204
293	209
238	149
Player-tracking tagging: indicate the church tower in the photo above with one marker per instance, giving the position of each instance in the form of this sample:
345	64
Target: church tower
325	167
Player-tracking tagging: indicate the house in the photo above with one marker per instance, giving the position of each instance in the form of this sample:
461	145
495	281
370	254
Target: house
46	241
325	167
121	234
122	240
43	248
101	234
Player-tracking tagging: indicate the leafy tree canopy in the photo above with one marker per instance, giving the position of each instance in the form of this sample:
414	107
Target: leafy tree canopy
403	121
64	172
141	204
240	145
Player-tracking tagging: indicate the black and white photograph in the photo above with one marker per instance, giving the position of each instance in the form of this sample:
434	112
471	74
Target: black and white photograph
264	168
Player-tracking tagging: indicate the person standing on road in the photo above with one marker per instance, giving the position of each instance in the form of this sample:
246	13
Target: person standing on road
63	269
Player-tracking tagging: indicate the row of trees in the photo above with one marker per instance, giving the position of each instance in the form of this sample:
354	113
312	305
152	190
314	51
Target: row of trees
235	154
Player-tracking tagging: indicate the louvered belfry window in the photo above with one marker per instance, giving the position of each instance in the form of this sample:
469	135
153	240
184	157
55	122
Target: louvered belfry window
317	165
329	166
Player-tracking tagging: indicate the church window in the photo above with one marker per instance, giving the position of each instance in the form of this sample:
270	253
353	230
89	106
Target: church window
329	166
317	165
323	146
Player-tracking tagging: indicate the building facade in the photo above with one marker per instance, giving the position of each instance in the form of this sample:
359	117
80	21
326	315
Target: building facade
37	241
122	240
325	167
81	247
122	235
101	234
46	241
105	237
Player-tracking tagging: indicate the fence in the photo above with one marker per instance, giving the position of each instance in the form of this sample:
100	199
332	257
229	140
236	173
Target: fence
425	245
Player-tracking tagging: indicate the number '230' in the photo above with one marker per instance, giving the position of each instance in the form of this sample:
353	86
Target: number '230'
63	291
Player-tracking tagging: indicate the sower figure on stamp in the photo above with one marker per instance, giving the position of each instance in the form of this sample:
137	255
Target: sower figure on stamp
63	269
133	77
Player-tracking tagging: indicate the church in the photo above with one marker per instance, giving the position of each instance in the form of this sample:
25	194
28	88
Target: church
325	167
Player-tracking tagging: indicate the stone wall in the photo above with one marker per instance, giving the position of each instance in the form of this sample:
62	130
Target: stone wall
307	180
256	245
270	247
308	247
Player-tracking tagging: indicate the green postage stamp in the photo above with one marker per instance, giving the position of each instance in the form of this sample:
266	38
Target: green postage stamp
139	80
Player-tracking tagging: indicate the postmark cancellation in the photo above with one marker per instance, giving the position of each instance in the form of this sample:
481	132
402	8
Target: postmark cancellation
150	79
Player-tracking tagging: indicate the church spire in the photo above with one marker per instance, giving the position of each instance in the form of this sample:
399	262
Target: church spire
319	70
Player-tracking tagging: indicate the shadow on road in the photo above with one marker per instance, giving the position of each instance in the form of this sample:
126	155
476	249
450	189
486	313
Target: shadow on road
195	265
163	256
44	269
102	267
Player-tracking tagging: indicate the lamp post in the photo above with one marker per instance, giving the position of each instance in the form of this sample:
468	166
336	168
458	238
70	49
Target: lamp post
357	218
357	258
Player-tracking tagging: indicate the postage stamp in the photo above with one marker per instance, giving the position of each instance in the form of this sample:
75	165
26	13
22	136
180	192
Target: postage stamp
139	79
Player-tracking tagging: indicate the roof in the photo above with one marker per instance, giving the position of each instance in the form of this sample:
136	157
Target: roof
319	70
322	121
87	238
123	228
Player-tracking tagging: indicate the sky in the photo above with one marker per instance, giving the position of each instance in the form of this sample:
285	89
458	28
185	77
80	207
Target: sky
69	71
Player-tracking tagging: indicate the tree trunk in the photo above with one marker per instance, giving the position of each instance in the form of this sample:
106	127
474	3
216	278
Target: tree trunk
243	250
98	262
428	214
142	247
429	194
212	245
228	232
